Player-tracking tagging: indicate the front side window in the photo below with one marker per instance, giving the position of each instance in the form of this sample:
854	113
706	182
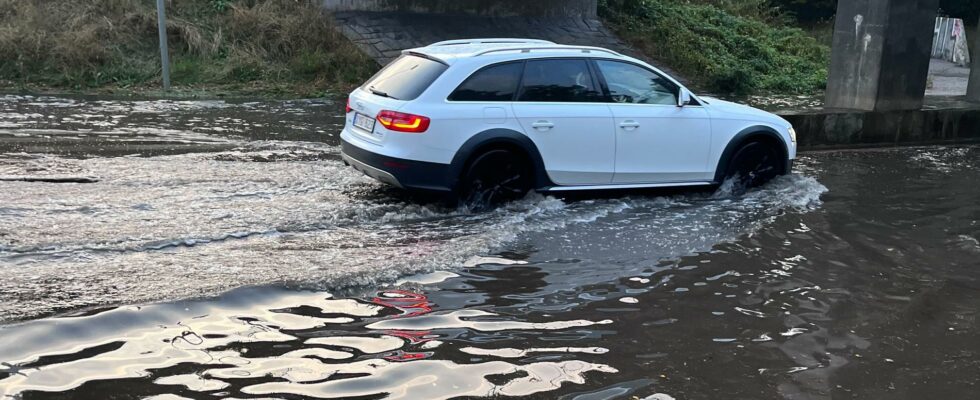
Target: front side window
496	83
565	81
631	84
405	78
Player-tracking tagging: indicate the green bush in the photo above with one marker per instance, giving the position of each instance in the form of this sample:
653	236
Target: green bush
725	46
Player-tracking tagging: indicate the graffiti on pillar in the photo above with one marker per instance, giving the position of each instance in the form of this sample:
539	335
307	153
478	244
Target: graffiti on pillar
949	42
858	20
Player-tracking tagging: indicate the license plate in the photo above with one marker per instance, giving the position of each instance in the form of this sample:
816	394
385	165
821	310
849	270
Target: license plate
364	122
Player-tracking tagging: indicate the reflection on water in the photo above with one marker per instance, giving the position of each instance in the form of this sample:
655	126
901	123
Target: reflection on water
264	341
855	278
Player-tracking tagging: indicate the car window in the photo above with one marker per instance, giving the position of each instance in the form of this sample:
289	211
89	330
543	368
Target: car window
568	81
405	78
496	83
632	84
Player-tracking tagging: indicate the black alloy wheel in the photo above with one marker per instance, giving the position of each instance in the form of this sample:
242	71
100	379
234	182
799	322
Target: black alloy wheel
494	178
754	165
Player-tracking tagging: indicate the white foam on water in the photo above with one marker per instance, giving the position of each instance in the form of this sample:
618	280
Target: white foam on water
427	279
223	225
177	226
519	353
480	260
477	320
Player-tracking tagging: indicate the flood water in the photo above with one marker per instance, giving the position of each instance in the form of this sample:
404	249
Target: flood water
212	249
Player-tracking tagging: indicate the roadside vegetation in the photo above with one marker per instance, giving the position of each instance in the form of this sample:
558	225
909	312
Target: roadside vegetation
284	47
724	46
290	47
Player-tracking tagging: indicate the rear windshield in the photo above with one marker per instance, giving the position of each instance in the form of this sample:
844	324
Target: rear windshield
405	78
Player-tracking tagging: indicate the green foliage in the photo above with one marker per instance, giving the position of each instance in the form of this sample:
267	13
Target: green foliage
750	52
808	10
220	5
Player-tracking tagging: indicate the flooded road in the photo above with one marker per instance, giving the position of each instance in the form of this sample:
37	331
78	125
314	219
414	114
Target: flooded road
856	277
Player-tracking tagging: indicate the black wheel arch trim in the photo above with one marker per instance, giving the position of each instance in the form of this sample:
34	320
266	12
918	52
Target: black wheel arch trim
745	136
496	137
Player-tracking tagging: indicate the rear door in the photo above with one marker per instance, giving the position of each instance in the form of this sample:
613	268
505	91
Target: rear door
656	141
560	108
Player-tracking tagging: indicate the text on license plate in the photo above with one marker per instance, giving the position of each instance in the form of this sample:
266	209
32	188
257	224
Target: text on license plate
364	122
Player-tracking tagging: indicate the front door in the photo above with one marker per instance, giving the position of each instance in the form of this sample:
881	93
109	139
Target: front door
656	141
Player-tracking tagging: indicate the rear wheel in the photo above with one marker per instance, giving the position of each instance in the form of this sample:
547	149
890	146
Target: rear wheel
753	165
494	178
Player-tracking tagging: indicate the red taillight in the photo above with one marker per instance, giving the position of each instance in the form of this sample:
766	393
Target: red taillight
401	122
348	106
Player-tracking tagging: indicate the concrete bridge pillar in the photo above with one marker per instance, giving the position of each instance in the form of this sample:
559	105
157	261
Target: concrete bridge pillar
881	52
973	90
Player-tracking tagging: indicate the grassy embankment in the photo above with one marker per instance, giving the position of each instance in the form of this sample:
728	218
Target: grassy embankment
242	47
724	46
289	47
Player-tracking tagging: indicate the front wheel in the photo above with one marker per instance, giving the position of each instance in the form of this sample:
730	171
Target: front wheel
754	165
494	178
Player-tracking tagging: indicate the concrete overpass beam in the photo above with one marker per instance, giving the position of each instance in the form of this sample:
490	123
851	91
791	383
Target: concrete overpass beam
881	52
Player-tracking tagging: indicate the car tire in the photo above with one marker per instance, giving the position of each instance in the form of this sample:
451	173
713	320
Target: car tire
753	165
493	178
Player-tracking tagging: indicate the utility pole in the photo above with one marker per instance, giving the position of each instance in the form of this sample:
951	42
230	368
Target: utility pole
164	53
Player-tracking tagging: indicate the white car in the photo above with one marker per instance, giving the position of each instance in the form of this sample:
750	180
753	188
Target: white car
490	120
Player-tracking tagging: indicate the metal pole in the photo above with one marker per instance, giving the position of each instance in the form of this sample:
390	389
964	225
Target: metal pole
164	53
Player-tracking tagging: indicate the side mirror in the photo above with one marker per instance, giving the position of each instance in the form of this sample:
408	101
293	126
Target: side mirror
683	98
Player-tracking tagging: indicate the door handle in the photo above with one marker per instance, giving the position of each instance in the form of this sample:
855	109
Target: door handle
629	125
542	125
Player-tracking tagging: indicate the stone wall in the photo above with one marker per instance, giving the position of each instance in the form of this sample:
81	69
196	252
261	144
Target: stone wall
943	120
384	35
491	8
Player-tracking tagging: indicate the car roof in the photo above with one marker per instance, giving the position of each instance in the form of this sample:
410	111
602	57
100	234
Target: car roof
453	50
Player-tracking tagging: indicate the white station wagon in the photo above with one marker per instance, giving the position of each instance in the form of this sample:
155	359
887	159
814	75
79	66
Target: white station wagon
490	120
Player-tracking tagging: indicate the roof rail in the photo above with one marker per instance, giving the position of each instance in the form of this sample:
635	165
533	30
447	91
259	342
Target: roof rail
584	49
489	41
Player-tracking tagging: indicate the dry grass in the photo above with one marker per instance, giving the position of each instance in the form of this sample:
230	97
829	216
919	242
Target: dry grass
96	43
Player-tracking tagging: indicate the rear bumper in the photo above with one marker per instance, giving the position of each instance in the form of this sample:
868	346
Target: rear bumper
401	173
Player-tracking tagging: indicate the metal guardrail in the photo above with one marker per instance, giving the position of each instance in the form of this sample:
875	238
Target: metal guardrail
584	49
490	41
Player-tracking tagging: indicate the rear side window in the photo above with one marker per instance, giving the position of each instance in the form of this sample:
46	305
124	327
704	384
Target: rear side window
405	78
495	83
566	81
